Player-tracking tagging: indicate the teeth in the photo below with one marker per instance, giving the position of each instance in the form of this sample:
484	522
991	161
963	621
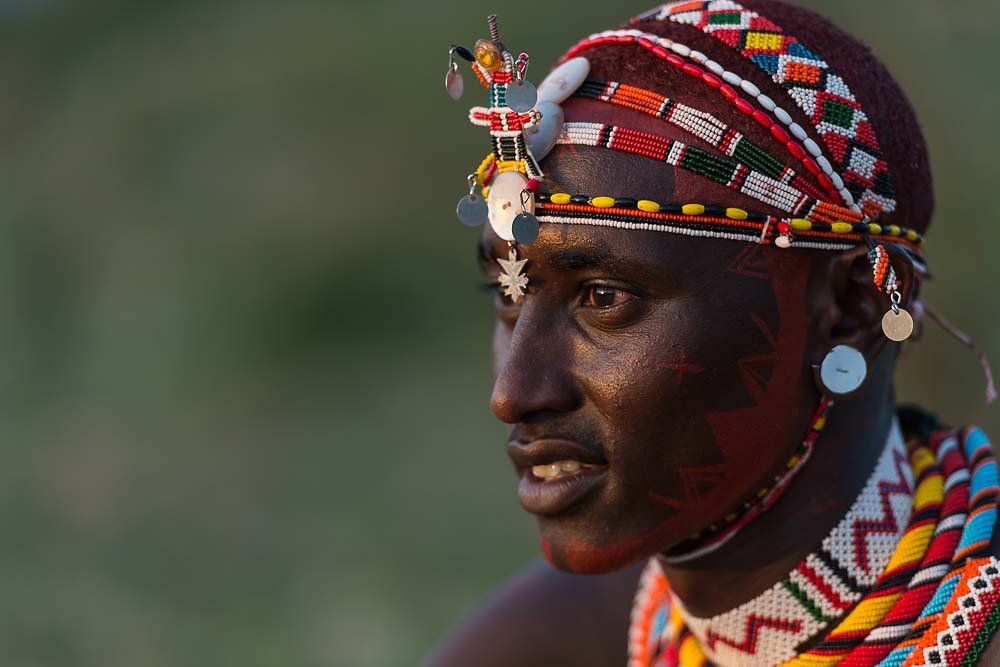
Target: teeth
558	469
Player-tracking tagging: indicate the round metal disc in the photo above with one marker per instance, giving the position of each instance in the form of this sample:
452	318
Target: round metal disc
454	84
897	327
843	370
525	228
522	96
472	210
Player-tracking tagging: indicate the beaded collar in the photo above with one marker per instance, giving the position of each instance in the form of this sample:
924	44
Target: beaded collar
873	593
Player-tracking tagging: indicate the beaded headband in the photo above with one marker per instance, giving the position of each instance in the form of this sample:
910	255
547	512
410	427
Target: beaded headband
832	194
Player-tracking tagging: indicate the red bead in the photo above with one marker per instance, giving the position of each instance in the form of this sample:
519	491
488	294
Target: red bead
796	150
711	79
728	92
780	134
763	118
675	60
784	227
625	39
659	51
532	185
827	184
646	42
692	69
743	106
812	166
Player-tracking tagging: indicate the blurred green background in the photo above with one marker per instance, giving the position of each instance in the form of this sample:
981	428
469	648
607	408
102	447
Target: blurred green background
245	376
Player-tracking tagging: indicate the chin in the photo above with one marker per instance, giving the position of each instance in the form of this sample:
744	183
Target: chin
594	551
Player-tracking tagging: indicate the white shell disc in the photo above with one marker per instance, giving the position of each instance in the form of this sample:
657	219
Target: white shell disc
897	327
843	370
563	81
505	202
542	137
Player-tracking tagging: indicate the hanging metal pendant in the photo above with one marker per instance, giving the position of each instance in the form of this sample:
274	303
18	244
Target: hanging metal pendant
513	280
454	83
897	326
525	228
472	210
521	97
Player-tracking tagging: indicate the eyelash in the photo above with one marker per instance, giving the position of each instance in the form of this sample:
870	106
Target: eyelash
494	286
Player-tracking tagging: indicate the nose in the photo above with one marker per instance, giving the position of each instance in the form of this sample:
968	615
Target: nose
534	369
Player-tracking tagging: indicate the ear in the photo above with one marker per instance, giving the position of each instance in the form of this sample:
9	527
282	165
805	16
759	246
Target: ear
849	307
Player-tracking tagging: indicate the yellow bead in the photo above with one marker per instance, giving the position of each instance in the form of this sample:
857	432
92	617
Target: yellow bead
736	213
820	423
791	462
801	225
762	493
912	235
874	229
488	55
559	198
648	206
894	230
602	202
693	209
486	191
732	517
841	227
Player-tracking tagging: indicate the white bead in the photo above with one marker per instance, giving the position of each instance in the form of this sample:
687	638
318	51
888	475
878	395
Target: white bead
750	88
824	164
714	67
797	131
812	147
680	49
731	79
782	115
766	102
698	57
838	182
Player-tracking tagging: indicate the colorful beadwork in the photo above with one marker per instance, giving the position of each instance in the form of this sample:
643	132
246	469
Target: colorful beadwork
883	275
832	579
702	124
716	222
935	600
724	170
773	117
816	89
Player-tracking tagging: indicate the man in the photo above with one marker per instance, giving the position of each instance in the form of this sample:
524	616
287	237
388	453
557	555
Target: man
696	357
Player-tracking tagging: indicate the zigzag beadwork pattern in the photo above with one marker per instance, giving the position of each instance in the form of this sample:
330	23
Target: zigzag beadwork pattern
829	581
958	582
828	101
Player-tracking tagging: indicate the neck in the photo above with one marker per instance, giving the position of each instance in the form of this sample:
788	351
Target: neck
818	498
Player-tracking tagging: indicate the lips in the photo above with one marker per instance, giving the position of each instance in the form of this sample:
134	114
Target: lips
555	474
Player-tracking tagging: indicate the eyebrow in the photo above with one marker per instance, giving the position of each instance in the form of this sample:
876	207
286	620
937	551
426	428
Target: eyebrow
577	260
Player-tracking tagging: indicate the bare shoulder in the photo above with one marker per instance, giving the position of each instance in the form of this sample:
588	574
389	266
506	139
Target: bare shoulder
546	617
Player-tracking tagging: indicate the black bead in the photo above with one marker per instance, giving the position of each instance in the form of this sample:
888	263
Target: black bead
465	54
580	199
625	202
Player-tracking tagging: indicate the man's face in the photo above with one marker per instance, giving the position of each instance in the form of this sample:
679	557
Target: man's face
653	381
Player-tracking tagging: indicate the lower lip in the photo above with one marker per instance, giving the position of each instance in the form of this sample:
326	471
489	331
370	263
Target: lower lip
547	498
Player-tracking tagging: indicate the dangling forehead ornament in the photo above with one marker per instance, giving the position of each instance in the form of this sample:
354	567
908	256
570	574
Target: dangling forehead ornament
523	124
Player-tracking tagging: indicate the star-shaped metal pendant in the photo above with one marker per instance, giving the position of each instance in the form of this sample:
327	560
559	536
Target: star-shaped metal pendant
513	279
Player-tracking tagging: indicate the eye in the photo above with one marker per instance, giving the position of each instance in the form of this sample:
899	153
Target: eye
604	296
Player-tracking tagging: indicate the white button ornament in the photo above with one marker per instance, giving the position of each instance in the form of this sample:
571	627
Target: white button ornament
843	370
563	81
504	202
542	137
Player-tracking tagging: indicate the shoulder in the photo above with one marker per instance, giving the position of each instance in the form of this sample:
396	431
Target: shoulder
543	617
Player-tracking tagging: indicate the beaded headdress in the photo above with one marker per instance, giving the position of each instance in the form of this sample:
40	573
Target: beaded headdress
832	183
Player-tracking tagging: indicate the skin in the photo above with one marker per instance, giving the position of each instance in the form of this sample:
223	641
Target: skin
687	363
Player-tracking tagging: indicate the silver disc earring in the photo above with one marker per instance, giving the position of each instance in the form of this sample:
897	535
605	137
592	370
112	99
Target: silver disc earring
842	371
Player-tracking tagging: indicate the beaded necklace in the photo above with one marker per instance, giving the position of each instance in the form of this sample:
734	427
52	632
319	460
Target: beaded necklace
873	593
